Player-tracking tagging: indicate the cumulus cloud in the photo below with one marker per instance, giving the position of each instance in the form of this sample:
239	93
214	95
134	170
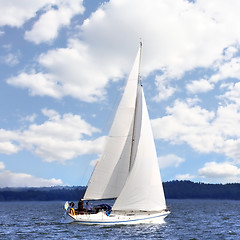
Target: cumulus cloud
185	30
2	166
37	83
71	72
16	13
203	130
227	120
186	124
191	35
164	88
8	148
10	179
170	160
199	86
230	52
225	172
49	23
232	94
59	138
53	15
7	144
178	37
227	69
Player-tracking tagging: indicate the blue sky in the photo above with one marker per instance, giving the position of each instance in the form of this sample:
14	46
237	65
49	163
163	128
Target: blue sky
63	65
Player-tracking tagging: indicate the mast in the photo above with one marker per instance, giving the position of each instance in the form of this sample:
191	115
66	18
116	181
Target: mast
139	66
136	107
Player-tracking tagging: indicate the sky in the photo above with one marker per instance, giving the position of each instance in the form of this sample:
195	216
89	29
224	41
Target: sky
63	66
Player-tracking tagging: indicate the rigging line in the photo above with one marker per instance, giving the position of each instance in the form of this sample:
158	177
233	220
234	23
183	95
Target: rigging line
86	171
89	180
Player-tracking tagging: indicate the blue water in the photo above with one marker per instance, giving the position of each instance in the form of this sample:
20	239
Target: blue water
190	219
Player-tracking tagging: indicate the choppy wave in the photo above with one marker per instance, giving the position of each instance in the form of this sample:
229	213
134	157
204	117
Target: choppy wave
190	219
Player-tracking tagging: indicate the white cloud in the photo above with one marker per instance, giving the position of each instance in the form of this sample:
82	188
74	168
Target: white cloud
6	144
16	12
178	37
8	148
190	36
203	130
170	160
10	179
59	138
71	72
37	83
49	23
186	176
199	86
186	124
232	149
2	166
79	74
230	52
193	101
164	89
232	93
229	69
53	15
223	172
227	121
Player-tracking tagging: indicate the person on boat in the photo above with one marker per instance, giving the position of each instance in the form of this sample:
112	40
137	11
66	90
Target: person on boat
71	204
88	208
80	206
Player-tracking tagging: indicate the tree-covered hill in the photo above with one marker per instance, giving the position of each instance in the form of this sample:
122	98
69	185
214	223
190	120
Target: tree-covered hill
41	194
173	189
188	189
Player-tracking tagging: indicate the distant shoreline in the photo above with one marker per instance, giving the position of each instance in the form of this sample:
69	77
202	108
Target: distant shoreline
172	189
191	190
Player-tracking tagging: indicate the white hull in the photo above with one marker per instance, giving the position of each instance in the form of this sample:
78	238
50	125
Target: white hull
116	219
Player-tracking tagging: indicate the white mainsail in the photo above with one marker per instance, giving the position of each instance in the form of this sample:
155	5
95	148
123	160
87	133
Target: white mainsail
128	169
111	171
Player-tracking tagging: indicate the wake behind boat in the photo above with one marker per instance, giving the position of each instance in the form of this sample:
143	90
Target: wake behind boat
128	169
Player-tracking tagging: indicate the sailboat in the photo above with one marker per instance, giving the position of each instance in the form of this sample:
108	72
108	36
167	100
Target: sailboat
128	169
